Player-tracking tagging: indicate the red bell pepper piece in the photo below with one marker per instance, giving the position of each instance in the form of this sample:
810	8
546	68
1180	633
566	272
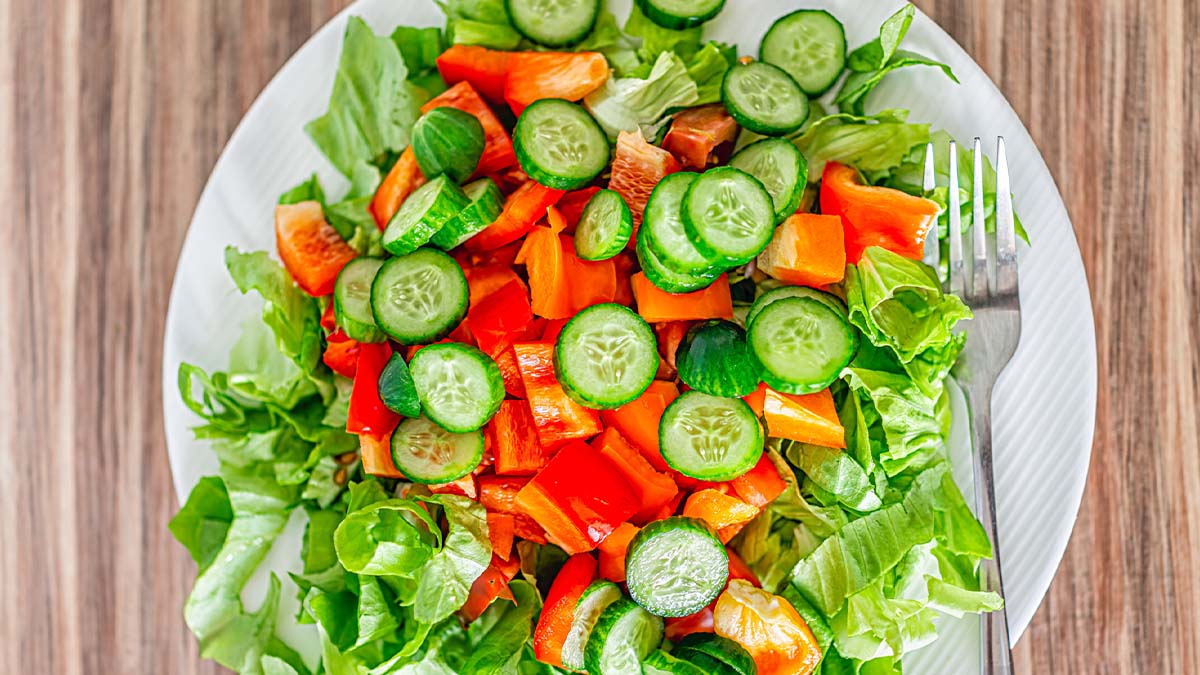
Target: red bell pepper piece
670	334
328	318
522	210
464	487
624	265
500	532
498	151
757	399
368	414
483	68
553	328
654	490
501	318
517	451
341	354
376	454
311	250
613	550
502	257
637	167
876	216
559	419
510	372
499	493
572	204
483	280
536	75
558	612
404	177
638	420
696	132
761	485
492	584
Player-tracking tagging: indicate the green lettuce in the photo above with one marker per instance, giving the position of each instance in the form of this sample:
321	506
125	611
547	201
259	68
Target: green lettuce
836	472
291	314
630	103
907	418
707	69
655	40
483	34
873	144
445	581
203	521
309	190
499	636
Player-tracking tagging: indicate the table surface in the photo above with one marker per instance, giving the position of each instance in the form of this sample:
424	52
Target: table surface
112	114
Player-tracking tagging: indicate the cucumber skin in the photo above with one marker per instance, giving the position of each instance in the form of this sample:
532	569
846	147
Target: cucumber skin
816	91
568	657
674	21
831	301
448	140
475	216
714	358
536	172
663	278
623	232
665	527
700	647
748	120
663	662
495	384
662	255
593	653
396	388
693	229
568	382
451	320
727	474
447	203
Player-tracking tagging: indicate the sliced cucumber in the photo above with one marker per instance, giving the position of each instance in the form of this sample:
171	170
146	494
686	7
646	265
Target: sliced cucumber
676	567
486	204
553	23
604	227
717	655
595	599
660	276
665	232
810	45
559	144
459	387
352	300
680	14
832	301
802	344
662	663
448	141
426	453
419	297
710	437
764	99
420	217
396	388
606	356
714	358
623	636
728	215
780	167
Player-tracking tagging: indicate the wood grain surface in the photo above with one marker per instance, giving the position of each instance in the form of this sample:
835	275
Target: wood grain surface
112	113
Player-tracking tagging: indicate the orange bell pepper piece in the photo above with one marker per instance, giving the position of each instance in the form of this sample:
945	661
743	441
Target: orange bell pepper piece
656	305
536	75
612	552
806	250
487	279
588	282
761	485
517	450
654	490
811	418
638	420
506	361
558	612
724	513
483	68
498	494
404	177
501	528
311	250
559	419
768	627
670	334
522	210
572	204
376	454
549	284
623	264
876	216
757	399
498	151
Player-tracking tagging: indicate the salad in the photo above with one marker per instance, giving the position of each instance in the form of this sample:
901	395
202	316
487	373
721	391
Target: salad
616	356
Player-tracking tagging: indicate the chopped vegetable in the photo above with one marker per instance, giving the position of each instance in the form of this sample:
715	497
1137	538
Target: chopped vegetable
656	305
498	148
810	418
404	177
654	489
807	250
559	419
517	449
637	168
876	216
612	552
725	514
367	413
311	250
547	75
638	421
769	628
554	623
484	69
522	210
696	133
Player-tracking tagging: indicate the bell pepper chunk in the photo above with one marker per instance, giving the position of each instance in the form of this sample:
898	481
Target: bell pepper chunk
483	280
612	552
637	168
341	354
558	612
500	319
498	151
656	305
876	216
492	584
724	513
499	493
483	68
311	250
463	487
501	529
552	330
510	372
757	399
624	264
654	490
579	498
404	177
549	284
375	451
522	210
810	418
536	75
572	204
670	334
637	421
517	451
760	485
367	413
768	627
588	282
696	133
559	419
806	250
328	318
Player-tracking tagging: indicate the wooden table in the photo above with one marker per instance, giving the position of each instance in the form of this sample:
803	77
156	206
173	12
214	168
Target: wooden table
112	114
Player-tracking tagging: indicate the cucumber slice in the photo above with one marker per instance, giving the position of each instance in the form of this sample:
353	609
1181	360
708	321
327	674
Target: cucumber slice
352	300
718	655
662	663
396	388
676	567
426	453
595	599
606	356
623	636
660	276
832	301
710	437
713	357
419	297
420	217
780	167
764	99
448	141
486	204
680	14
802	344
604	227
553	23
666	235
808	44
559	144
728	215
459	387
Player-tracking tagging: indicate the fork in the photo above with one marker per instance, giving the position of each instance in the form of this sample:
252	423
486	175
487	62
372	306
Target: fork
995	332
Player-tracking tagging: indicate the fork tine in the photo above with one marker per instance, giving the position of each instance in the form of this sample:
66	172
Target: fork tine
979	266
957	280
933	251
1006	238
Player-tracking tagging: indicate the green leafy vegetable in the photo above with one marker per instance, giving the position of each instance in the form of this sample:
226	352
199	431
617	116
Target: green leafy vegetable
202	523
837	472
383	538
657	40
876	53
445	581
630	103
500	649
707	69
875	143
309	190
290	313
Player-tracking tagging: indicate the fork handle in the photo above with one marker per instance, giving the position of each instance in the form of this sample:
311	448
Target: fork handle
996	654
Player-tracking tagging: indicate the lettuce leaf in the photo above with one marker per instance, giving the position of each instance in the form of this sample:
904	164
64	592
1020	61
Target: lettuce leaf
480	33
309	190
382	538
876	143
290	313
906	415
876	53
707	69
445	581
500	649
630	103
203	522
656	40
837	472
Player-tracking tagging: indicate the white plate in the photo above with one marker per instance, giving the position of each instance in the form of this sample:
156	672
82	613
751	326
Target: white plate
1044	406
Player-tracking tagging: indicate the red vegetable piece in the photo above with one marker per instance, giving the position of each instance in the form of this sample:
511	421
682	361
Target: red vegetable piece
483	68
558	612
876	216
696	132
517	451
522	210
368	414
559	419
341	354
637	168
311	250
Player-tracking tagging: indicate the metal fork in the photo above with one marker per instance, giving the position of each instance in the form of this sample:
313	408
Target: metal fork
994	334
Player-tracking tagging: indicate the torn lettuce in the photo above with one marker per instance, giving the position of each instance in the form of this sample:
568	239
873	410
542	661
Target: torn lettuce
631	103
873	144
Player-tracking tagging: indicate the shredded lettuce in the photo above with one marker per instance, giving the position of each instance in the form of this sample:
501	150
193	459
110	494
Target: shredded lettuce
630	103
876	143
656	40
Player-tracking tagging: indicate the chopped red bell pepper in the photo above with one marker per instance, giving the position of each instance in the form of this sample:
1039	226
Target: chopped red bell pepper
588	282
876	216
498	151
341	354
559	419
757	399
613	550
502	256
510	372
553	328
376	454
501	318
637	167
464	487
499	493
522	210
311	250
761	485
566	75
501	527
328	318
368	414
654	490
558	612
492	584
404	177
670	334
697	132
625	265
483	68
483	280
638	420
517	451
